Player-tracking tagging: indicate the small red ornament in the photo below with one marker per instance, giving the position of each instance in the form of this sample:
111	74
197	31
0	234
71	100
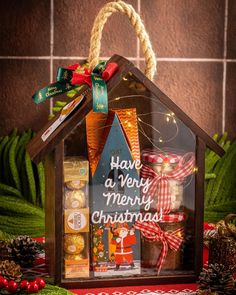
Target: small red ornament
3	282
40	282
12	286
33	287
24	284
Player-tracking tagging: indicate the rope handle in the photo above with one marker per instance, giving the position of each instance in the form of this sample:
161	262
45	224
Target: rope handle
96	35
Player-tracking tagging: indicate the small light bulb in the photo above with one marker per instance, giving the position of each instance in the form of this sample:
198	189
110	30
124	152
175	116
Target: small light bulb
172	114
117	98
160	140
174	121
125	79
128	113
168	119
129	124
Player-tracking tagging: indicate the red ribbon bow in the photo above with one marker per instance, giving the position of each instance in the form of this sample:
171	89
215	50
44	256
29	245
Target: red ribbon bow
82	75
152	232
160	181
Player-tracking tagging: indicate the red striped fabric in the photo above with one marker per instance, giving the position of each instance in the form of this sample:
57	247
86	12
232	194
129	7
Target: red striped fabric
154	156
175	217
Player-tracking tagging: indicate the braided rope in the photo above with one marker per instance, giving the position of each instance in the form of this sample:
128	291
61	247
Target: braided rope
96	35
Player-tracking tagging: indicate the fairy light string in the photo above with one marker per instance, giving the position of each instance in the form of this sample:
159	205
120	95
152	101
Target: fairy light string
169	118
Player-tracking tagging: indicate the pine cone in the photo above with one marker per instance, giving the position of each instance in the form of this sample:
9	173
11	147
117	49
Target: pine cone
4	251
10	270
23	250
217	278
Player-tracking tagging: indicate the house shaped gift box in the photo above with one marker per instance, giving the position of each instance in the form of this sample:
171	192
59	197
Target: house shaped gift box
172	150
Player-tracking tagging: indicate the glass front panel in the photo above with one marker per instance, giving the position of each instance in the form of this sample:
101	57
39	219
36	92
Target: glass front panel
129	190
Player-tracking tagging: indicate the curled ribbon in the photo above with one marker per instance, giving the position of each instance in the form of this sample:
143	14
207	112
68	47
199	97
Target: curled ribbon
160	181
152	232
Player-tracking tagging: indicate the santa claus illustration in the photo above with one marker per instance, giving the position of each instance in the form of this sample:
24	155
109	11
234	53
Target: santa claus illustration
124	239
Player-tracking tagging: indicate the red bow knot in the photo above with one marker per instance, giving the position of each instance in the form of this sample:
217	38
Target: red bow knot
160	181
82	75
152	232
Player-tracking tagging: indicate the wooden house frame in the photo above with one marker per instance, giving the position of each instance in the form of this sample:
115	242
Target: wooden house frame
52	150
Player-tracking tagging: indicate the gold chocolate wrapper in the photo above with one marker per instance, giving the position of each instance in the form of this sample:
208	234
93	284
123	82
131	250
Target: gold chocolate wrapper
74	257
75	168
74	244
76	184
75	199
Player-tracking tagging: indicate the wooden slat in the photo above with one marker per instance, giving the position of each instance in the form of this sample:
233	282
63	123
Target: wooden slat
58	208
184	278
199	204
50	213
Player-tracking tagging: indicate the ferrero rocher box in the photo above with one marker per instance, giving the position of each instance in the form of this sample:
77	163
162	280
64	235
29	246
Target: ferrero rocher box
76	169
76	220
76	217
76	247
76	268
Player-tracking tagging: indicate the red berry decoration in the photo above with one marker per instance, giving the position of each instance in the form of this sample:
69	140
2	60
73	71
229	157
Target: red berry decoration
12	286
33	287
24	284
40	282
3	282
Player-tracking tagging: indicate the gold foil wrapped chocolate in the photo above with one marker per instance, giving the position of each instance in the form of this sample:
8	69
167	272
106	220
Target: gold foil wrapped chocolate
75	168
75	199
74	244
77	257
76	184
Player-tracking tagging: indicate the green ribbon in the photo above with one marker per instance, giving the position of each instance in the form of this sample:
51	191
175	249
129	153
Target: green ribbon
100	99
61	86
51	91
99	68
99	88
64	76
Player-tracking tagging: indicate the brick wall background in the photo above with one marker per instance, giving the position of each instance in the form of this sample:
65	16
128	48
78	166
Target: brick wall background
194	40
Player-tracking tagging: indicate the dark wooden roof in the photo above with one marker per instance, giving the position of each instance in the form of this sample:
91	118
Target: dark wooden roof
38	149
